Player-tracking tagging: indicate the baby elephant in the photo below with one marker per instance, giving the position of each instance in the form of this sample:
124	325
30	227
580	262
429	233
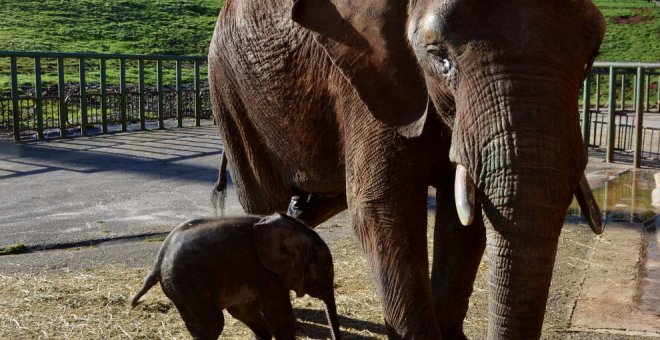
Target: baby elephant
246	265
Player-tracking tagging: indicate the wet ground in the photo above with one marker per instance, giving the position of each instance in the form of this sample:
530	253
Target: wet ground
623	279
121	193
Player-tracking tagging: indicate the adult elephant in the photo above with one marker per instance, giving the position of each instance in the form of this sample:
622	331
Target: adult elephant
367	103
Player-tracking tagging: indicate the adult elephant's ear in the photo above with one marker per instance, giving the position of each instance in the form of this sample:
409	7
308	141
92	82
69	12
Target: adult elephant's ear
367	41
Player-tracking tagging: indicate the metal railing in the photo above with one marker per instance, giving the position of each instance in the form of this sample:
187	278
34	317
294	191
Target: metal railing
88	103
616	98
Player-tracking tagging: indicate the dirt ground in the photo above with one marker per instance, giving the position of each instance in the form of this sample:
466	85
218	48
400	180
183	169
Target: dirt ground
84	293
92	302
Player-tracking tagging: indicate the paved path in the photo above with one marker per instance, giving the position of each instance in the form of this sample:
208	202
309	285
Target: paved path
116	190
112	191
111	186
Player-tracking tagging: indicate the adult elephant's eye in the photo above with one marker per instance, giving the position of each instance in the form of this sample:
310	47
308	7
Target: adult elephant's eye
439	52
436	50
446	66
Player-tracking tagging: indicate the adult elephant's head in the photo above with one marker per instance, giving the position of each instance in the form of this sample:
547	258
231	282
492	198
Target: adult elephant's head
514	69
505	75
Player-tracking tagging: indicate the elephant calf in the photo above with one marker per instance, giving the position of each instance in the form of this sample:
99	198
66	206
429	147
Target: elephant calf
246	265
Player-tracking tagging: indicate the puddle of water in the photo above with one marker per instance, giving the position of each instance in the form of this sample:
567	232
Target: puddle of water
629	199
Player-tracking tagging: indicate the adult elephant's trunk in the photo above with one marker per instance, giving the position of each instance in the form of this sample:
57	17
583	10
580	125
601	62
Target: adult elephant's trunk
523	214
519	140
521	259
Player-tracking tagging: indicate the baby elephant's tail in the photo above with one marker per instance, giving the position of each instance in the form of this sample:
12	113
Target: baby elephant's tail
149	282
154	276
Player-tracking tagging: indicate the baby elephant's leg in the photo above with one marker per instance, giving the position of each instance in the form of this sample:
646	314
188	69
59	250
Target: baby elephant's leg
278	314
250	315
203	319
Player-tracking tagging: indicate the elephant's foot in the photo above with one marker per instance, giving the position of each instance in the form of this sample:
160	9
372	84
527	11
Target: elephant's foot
313	209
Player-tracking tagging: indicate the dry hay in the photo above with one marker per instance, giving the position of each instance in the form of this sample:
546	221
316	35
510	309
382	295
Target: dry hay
94	304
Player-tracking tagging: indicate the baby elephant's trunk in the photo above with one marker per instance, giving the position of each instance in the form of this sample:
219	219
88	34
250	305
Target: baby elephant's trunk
331	313
149	282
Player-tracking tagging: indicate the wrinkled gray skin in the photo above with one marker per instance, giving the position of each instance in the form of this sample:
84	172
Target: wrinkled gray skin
246	265
366	103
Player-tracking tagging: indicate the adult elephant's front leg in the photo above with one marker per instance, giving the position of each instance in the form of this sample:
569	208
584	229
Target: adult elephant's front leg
386	193
457	252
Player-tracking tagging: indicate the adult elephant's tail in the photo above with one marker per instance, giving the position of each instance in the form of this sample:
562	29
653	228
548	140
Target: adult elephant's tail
219	194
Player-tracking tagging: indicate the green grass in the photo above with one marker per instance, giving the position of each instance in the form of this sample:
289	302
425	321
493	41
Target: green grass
633	31
181	27
178	27
13	249
184	27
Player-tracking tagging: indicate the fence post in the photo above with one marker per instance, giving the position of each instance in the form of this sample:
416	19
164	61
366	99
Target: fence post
104	97
83	98
610	116
639	117
61	90
14	99
198	98
141	90
586	110
159	88
179	100
39	108
122	94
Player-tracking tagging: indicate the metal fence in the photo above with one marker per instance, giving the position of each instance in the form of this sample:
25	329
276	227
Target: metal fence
621	103
36	99
78	96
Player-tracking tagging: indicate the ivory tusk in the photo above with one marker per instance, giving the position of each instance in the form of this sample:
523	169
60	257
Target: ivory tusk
589	206
464	193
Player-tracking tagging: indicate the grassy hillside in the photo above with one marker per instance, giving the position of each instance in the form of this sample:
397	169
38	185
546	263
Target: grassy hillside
185	27
108	26
633	30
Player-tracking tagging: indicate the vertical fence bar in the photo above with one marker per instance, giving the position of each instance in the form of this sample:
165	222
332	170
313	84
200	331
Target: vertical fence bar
586	110
179	100
83	98
597	92
623	92
122	94
141	90
639	117
198	97
159	88
648	92
104	97
610	116
14	99
39	103
61	90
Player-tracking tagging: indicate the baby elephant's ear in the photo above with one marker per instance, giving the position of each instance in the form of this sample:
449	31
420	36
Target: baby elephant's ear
282	247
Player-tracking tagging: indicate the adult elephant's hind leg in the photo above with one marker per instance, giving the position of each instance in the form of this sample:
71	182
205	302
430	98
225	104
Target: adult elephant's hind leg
259	187
457	252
